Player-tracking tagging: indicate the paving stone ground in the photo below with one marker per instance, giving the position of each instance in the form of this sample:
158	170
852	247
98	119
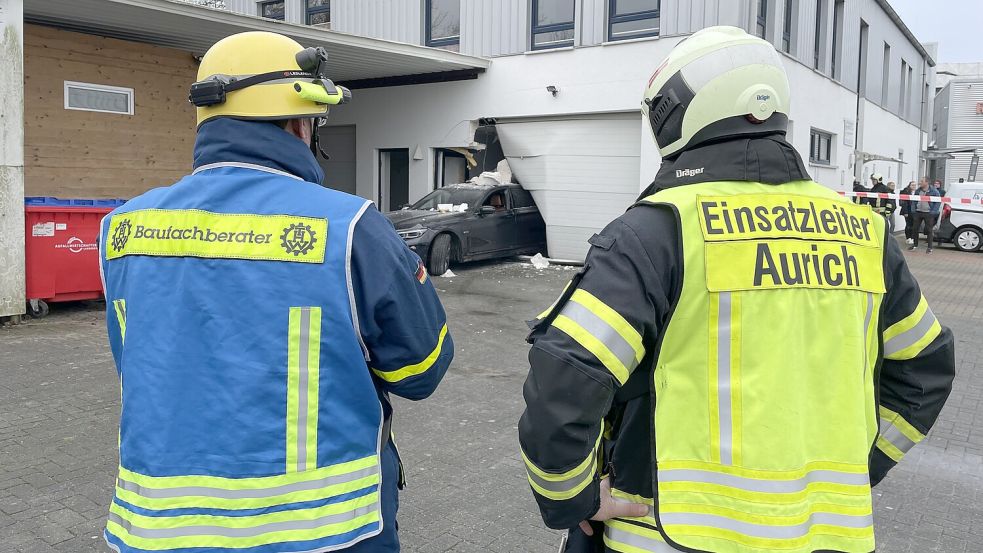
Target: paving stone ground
467	492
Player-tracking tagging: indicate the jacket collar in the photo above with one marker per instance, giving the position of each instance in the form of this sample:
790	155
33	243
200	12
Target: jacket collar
767	159
231	141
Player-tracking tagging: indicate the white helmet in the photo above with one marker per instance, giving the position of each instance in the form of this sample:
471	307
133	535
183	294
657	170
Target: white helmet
716	83
877	177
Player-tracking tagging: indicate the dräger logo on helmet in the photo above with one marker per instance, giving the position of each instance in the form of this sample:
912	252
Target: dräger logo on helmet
680	173
196	233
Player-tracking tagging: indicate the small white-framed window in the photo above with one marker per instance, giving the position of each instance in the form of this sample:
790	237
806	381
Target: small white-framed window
98	97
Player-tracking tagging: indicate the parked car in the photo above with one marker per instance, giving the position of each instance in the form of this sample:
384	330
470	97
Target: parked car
962	224
468	222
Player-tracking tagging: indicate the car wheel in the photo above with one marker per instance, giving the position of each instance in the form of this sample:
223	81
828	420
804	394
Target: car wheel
967	239
440	255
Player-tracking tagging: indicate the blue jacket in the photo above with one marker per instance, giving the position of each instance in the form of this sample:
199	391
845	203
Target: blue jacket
934	207
258	322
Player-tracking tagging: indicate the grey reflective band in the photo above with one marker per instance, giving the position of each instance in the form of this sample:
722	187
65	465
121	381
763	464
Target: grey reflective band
241	165
560	486
247	532
636	540
764	486
303	376
202	491
895	437
764	530
867	317
601	330
725	417
912	335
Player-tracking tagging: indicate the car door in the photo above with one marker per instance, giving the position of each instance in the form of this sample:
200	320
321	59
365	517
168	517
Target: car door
492	233
530	228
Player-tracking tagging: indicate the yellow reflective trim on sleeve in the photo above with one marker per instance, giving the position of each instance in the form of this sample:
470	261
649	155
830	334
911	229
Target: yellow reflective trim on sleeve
120	307
913	350
419	368
901	424
612	318
197	233
908	322
565	485
552	306
594	346
888	449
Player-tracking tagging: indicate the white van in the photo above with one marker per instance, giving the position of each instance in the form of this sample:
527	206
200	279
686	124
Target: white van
962	224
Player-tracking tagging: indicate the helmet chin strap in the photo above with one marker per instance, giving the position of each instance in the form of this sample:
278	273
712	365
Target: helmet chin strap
316	148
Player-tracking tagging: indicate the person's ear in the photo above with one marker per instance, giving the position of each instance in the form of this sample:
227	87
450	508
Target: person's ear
301	128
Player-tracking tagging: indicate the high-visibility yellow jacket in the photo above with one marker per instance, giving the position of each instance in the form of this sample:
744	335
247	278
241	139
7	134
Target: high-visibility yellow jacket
746	358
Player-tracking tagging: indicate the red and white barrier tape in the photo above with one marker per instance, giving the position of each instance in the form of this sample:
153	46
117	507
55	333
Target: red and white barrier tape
909	197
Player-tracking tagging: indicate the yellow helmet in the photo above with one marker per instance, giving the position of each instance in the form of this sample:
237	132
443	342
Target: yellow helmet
263	76
717	83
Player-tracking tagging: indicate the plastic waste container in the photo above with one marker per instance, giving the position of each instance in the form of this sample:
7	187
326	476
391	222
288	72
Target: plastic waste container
61	254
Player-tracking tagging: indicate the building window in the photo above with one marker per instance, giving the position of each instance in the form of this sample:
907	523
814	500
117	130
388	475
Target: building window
97	97
633	19
903	92
318	12
762	27
272	10
443	22
787	27
552	24
820	147
909	91
837	39
817	46
886	76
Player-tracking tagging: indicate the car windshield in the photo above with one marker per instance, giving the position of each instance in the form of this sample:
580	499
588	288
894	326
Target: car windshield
454	196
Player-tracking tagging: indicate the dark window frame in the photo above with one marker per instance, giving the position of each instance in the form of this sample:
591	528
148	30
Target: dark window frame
787	27
816	144
430	41
309	11
262	5
761	25
614	18
817	44
552	28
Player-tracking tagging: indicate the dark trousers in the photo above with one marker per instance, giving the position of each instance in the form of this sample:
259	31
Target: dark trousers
909	225
929	221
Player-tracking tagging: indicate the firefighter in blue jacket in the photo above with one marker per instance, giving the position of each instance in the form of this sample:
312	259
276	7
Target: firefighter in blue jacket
259	322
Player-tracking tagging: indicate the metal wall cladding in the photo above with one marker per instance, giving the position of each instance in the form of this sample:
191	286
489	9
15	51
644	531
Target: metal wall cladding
965	126
399	20
494	27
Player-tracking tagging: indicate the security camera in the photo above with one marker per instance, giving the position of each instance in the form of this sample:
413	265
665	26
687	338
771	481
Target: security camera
552	90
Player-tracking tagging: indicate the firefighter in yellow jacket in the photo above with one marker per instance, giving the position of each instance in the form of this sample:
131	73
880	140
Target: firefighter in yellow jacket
744	353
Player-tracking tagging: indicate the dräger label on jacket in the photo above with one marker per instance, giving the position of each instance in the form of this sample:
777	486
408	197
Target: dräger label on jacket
196	233
773	241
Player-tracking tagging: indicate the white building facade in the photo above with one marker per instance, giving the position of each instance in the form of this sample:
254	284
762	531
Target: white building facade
565	85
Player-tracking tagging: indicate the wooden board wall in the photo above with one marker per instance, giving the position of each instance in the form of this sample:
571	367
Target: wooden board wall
84	154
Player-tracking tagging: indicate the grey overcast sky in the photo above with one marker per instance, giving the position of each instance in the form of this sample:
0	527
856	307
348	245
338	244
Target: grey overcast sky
955	24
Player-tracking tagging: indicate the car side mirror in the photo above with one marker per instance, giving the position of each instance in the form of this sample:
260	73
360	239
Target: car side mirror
487	210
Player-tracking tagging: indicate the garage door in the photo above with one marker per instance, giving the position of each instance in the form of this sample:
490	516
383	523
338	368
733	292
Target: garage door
583	172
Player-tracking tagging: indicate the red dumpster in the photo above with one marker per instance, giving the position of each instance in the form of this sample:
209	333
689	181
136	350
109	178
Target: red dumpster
61	254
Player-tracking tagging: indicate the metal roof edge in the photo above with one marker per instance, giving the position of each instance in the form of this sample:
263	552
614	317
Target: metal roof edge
886	6
253	22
